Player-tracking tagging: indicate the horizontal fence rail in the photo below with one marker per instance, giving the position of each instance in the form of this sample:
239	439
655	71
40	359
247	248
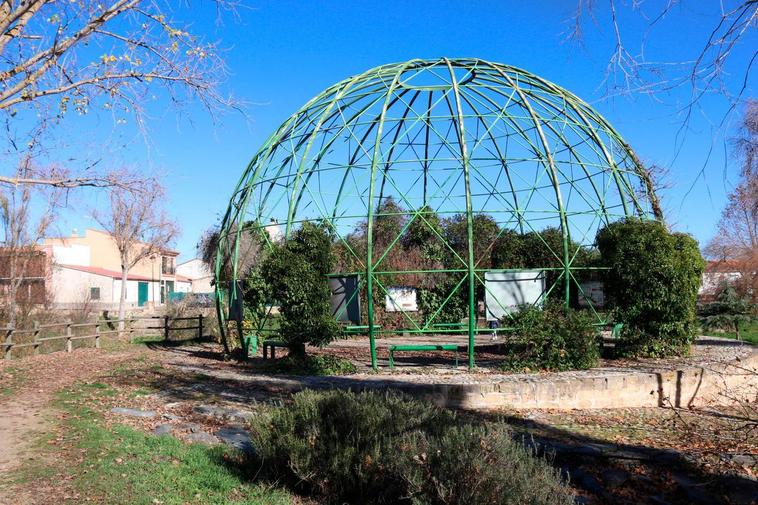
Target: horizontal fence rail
39	336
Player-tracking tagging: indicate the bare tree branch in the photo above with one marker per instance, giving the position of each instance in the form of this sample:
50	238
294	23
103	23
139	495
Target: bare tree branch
139	227
59	57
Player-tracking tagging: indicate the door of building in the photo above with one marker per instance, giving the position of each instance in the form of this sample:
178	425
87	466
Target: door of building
142	294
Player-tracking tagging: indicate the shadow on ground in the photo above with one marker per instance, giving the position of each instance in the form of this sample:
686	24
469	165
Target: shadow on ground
601	471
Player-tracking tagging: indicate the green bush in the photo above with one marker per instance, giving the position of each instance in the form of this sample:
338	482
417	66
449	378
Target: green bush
431	299
387	448
295	272
308	365
652	286
480	465
728	311
552	339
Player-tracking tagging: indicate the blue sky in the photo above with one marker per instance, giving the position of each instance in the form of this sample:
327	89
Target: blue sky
281	53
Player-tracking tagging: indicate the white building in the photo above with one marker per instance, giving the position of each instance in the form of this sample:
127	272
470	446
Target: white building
87	268
198	274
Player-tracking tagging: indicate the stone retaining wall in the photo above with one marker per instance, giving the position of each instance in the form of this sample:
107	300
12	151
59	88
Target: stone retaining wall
611	388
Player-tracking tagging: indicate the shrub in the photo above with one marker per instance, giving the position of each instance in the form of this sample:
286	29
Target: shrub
480	465
484	230
652	285
374	447
295	273
308	365
425	233
338	443
431	299
552	339
256	295
728	311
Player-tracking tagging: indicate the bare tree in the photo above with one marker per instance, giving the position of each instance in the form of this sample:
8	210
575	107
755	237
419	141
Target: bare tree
736	238
59	57
247	246
139	226
713	65
23	226
630	70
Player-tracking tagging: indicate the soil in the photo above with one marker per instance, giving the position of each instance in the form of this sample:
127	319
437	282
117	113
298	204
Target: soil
24	410
619	456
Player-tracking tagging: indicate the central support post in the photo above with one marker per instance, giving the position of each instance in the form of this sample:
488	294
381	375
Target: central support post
461	129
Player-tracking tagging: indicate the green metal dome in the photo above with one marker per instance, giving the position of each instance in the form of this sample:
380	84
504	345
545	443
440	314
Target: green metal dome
457	137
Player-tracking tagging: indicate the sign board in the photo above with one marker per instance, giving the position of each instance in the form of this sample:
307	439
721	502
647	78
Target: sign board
593	293
401	298
506	291
345	300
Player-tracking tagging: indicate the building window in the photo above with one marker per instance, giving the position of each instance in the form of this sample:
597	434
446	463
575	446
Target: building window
168	265
94	293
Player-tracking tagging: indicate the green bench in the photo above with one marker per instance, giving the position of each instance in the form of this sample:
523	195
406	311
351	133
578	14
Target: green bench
616	330
249	343
358	330
272	344
449	326
422	347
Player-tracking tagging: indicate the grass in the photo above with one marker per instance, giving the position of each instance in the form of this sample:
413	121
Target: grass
748	333
119	464
12	378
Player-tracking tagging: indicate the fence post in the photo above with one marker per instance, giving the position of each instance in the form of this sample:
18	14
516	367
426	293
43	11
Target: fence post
97	335
36	338
165	328
200	326
131	330
8	341
69	344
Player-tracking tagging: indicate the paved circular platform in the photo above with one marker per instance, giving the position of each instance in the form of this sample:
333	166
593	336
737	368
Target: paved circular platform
718	371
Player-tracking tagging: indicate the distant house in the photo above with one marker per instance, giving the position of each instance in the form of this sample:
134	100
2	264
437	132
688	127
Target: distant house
717	273
88	267
198	273
33	274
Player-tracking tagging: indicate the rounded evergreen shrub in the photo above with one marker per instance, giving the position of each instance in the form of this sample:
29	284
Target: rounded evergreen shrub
295	273
552	338
373	447
652	285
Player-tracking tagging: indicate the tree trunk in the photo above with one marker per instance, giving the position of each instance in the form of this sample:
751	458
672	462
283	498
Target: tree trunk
122	299
12	292
297	350
737	330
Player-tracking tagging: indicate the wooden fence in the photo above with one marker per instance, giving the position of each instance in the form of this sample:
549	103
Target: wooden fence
40	336
164	326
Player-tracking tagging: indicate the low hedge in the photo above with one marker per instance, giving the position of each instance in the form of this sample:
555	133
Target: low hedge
377	448
552	338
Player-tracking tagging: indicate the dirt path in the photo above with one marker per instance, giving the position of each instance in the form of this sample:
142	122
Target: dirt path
31	385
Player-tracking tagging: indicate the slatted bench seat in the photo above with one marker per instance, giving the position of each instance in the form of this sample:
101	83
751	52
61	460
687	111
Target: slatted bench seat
422	347
272	344
358	330
449	326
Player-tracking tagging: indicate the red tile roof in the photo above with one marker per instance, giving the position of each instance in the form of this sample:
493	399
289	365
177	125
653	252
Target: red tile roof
722	266
107	273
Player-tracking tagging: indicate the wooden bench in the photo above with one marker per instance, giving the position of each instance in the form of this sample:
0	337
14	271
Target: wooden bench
272	344
422	347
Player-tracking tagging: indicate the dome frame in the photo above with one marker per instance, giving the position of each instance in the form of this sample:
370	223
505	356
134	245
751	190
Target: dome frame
506	138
